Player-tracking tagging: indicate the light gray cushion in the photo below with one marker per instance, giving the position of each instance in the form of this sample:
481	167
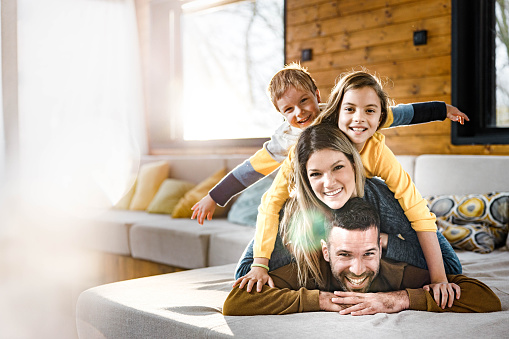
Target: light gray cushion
461	174
176	242
188	305
227	247
108	231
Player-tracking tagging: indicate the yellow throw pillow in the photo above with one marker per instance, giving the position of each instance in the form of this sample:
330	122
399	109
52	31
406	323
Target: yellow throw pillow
150	177
125	201
168	195
183	208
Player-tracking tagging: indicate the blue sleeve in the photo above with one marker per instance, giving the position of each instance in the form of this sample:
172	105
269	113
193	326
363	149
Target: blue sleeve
418	113
403	114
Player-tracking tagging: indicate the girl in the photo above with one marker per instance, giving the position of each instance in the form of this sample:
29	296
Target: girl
358	106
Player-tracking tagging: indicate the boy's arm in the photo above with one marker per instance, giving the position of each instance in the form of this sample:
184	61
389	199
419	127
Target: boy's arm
261	164
244	175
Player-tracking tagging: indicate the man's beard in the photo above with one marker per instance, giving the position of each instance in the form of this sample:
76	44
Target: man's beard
367	279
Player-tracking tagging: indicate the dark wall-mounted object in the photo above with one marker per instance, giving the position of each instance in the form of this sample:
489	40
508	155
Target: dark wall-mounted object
306	55
420	37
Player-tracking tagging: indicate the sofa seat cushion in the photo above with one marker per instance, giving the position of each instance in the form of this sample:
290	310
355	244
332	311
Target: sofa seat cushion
177	242
228	247
108	231
189	305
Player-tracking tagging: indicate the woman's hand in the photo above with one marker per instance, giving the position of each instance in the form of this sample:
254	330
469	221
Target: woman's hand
204	209
258	275
444	293
455	114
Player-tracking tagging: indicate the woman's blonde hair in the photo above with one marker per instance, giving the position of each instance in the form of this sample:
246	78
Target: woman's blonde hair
303	221
348	81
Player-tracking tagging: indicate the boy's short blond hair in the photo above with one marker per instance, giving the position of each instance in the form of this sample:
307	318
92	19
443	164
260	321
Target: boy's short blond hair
292	75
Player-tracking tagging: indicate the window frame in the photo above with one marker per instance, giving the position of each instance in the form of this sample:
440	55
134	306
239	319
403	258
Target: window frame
161	73
473	72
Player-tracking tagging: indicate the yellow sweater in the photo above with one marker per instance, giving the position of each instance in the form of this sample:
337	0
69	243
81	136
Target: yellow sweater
378	160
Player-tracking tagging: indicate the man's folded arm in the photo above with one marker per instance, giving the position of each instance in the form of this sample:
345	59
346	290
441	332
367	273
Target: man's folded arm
285	298
475	297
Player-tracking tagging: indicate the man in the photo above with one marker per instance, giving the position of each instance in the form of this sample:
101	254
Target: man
358	281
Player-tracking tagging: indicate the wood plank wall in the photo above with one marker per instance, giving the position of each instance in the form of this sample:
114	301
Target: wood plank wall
378	35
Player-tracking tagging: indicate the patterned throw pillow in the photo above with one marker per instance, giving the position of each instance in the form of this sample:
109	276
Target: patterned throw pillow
475	222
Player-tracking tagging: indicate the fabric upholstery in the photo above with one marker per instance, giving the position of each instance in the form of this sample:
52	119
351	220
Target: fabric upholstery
169	194
188	305
150	177
245	208
183	208
476	222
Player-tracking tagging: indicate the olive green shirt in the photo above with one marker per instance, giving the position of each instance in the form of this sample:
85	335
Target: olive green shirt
287	297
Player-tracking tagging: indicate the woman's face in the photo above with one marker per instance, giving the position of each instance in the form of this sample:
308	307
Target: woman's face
332	177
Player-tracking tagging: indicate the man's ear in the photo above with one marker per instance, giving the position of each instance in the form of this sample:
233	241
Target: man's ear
325	250
318	96
380	248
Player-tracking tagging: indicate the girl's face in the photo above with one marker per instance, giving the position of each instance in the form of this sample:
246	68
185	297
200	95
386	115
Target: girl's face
332	177
359	115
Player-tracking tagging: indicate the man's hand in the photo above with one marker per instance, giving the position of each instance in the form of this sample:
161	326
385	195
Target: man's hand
326	303
372	303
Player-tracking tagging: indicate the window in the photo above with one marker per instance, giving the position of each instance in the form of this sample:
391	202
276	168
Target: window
211	64
480	69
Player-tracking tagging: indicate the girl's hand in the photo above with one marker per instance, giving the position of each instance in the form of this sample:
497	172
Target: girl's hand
258	275
445	292
455	114
204	209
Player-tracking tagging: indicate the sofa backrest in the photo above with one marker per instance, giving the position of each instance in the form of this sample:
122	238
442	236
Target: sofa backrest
432	174
461	174
196	168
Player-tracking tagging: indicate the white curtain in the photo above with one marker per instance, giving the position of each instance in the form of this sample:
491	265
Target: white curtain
80	99
81	132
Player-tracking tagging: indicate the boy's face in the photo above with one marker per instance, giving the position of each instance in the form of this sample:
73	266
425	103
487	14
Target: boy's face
359	115
299	107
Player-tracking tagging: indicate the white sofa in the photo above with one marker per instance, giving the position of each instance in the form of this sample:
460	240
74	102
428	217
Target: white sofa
188	304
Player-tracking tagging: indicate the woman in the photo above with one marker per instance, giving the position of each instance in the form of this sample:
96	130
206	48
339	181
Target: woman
302	231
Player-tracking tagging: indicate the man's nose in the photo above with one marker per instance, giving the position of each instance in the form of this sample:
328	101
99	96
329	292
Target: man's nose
357	267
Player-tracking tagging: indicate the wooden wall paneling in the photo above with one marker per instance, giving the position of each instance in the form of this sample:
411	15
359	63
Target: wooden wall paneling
324	56
392	71
344	7
381	18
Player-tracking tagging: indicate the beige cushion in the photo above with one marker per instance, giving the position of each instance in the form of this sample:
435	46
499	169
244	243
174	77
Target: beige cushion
150	177
125	201
183	208
169	194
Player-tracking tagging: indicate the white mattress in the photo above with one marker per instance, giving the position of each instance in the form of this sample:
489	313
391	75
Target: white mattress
188	305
